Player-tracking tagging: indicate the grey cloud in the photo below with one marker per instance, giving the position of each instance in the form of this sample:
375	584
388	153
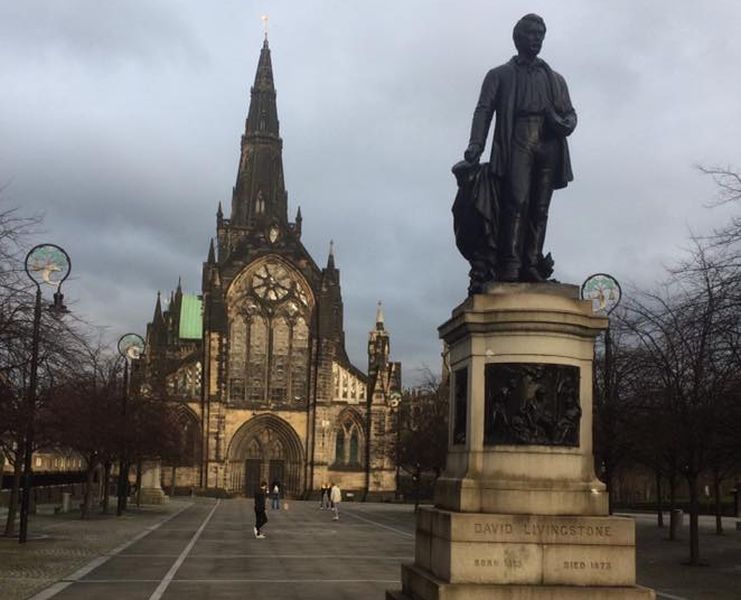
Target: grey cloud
122	122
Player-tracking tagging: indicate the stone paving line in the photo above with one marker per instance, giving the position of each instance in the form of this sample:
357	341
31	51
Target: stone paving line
218	557
210	552
60	544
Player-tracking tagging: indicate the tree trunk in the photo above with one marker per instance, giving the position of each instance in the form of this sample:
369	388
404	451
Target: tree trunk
123	487
106	486
87	494
14	495
694	514
718	509
417	475
659	502
138	484
172	483
672	501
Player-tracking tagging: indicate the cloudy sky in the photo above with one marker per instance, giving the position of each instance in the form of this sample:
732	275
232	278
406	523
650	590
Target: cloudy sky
121	122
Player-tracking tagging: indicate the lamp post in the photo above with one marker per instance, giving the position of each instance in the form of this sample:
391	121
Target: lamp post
605	293
395	404
130	347
51	265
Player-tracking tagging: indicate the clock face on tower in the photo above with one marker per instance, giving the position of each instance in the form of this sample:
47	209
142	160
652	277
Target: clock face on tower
271	282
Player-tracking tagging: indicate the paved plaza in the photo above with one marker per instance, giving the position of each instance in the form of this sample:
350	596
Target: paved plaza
205	549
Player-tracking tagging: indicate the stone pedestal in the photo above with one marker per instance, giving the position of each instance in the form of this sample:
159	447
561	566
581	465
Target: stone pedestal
519	512
151	492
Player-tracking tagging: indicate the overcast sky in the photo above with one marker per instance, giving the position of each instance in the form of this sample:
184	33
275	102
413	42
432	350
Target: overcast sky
121	122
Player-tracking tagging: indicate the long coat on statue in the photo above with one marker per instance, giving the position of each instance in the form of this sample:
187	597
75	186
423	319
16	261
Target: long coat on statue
498	93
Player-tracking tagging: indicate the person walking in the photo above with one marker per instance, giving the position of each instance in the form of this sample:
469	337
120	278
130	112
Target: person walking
324	502
335	496
260	517
275	495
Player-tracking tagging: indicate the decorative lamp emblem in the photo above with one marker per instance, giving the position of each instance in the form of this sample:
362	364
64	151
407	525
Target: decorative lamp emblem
49	264
604	292
131	346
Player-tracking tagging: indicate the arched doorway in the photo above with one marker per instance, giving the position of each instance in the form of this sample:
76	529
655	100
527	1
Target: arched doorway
183	464
265	448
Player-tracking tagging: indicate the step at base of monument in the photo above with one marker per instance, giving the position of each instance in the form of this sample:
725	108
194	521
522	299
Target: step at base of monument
501	549
418	584
153	496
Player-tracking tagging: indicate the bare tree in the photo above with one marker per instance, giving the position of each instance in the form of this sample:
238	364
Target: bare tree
421	430
689	331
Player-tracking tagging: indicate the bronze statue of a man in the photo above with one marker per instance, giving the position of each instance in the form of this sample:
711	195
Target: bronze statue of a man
502	207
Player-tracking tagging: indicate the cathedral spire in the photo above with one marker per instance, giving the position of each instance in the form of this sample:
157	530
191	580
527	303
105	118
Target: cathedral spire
211	254
158	319
379	317
260	194
298	222
330	258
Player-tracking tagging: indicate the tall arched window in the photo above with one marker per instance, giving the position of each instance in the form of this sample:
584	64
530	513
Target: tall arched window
269	307
348	441
339	448
354	448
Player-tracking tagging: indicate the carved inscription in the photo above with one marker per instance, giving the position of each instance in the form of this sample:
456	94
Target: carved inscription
493	528
542	529
485	562
583	565
568	530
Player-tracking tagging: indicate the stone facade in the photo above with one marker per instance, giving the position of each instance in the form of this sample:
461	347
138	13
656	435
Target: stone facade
264	378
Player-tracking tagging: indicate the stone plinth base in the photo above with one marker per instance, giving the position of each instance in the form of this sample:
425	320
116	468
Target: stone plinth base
482	555
153	496
545	497
151	491
421	585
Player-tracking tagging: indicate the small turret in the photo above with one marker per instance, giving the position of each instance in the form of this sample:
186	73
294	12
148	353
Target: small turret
330	258
299	221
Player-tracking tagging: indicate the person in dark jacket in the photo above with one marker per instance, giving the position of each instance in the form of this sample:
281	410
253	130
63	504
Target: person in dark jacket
260	517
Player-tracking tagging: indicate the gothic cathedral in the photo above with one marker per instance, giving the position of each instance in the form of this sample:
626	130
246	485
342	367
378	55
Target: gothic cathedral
258	361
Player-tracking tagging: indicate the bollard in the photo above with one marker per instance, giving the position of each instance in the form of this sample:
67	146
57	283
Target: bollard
66	501
675	521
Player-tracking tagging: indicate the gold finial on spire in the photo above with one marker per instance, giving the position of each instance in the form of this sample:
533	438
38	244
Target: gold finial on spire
265	19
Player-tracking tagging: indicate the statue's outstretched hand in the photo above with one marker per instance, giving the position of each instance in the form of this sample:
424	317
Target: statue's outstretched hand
472	154
562	126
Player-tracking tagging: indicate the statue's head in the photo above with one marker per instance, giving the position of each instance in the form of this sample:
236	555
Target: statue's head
528	35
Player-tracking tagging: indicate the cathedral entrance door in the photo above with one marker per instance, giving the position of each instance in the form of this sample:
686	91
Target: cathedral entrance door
253	466
265	448
276	471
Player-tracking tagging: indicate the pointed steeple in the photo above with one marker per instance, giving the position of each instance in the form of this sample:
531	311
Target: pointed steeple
378	346
179	289
379	317
211	254
298	223
262	118
330	258
260	193
158	320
